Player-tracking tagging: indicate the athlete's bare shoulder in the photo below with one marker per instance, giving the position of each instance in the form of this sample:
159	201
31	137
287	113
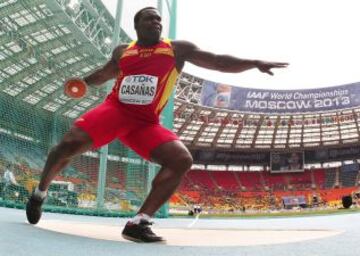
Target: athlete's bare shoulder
182	50
118	51
182	47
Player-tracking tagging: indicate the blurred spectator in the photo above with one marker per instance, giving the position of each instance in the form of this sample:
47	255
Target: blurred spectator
9	177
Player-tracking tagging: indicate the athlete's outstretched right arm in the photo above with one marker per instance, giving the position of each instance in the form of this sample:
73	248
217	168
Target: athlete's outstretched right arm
109	71
186	51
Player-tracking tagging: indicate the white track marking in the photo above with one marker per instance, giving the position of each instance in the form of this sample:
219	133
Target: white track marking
194	221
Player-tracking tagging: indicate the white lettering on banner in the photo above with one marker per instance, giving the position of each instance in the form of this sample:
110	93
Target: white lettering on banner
297	104
257	95
281	96
296	95
138	89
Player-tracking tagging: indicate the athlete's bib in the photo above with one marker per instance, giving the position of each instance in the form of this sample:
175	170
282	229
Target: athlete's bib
138	89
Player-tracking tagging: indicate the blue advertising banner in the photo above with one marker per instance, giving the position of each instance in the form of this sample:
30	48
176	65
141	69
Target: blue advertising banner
350	167
280	101
229	157
278	161
332	154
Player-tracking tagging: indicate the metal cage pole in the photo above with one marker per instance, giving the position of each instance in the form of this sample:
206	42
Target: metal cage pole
105	149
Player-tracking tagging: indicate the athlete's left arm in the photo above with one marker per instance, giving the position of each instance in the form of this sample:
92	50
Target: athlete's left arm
107	72
186	51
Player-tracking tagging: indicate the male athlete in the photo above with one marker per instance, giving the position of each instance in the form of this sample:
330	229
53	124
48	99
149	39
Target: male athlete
145	73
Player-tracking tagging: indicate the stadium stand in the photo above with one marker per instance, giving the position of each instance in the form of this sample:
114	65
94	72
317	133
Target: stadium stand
44	42
199	189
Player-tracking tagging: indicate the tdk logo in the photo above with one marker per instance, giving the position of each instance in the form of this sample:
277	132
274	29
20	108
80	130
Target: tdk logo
142	79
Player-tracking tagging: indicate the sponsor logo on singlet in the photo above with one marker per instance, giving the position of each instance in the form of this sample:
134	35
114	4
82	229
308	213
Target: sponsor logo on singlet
138	89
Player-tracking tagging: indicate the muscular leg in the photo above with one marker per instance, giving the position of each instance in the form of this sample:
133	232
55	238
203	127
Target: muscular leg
175	161
75	142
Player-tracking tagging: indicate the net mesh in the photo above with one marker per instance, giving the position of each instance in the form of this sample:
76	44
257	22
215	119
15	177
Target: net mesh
42	44
26	137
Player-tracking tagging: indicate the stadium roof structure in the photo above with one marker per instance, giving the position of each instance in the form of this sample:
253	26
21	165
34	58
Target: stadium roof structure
206	127
44	42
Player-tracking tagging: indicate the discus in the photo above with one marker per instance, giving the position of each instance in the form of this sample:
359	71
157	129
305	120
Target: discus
75	88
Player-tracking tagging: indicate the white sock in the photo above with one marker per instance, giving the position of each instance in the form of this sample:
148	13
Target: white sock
139	217
39	193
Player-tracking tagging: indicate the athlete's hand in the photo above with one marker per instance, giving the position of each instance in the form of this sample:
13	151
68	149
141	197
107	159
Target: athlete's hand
75	88
266	67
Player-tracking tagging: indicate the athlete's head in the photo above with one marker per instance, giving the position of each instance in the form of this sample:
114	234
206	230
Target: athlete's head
147	22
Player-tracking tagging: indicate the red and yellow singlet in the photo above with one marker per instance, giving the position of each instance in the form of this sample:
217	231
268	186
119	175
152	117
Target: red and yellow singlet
146	80
131	111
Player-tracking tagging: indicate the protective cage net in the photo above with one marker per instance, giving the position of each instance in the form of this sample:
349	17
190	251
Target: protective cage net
26	137
43	43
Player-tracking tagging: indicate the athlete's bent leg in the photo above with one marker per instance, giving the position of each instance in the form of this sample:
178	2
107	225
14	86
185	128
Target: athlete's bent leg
175	160
74	142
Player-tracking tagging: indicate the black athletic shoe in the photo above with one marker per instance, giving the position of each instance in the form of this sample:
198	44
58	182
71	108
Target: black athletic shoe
140	232
33	209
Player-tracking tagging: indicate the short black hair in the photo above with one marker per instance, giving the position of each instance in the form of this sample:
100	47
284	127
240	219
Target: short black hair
139	13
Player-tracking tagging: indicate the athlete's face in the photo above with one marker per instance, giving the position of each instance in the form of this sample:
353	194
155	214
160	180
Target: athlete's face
149	26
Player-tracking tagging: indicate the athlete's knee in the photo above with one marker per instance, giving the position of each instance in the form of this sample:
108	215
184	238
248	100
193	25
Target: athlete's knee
67	148
72	144
173	156
182	162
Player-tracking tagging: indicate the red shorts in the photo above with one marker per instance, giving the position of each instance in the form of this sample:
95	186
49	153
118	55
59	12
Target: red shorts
108	121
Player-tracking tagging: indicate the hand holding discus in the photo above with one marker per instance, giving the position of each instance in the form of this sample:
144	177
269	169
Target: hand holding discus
75	88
